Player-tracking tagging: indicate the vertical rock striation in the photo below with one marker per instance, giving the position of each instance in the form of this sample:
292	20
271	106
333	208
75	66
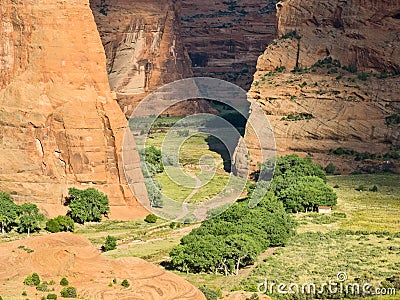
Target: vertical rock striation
60	125
143	47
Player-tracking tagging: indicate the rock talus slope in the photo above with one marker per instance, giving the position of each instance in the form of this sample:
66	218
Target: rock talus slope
60	125
333	100
68	255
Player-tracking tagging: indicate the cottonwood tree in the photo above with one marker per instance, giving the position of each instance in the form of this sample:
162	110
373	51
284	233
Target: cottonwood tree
306	194
87	205
8	212
29	218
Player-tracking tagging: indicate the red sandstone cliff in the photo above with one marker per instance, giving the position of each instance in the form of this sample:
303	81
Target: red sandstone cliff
143	47
60	126
151	43
324	106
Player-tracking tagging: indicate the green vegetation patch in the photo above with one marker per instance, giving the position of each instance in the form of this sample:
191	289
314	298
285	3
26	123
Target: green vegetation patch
319	257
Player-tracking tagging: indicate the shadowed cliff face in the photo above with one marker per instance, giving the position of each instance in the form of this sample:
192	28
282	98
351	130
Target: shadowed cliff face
142	45
334	102
225	38
60	126
151	43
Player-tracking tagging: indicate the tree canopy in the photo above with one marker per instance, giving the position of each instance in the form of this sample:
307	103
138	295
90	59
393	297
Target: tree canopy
8	212
305	194
235	238
60	223
294	166
300	184
29	218
87	205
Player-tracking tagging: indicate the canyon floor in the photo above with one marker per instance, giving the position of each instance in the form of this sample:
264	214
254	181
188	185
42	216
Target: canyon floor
360	237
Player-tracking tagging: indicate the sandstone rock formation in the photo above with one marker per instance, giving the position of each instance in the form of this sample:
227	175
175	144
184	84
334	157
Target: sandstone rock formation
60	125
151	43
335	102
143	47
66	255
224	38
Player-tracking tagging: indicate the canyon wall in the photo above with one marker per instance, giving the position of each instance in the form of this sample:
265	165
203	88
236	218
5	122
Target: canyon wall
143	47
225	38
60	125
314	83
151	43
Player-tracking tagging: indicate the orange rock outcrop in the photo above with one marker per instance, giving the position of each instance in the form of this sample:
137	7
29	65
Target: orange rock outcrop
336	102
60	125
67	255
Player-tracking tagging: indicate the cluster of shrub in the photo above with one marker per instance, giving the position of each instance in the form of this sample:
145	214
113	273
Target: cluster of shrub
43	286
363	156
298	117
124	283
236	237
392	120
87	205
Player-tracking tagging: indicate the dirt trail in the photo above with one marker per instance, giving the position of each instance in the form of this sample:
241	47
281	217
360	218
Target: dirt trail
185	210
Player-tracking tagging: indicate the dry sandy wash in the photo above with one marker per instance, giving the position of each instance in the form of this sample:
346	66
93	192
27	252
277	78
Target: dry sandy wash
72	256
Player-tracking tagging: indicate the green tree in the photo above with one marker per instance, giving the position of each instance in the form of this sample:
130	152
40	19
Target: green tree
53	226
110	243
87	205
151	218
235	238
153	160
125	283
243	250
294	166
330	168
69	292
64	282
32	280
29	218
8	212
66	223
305	194
154	192
61	223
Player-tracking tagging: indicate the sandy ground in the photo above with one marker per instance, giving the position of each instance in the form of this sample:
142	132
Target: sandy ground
64	254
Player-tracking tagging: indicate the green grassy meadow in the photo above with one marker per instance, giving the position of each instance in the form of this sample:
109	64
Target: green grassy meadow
361	238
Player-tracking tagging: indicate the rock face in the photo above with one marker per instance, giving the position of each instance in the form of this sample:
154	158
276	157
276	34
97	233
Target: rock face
142	44
67	255
151	43
335	102
224	38
364	33
60	125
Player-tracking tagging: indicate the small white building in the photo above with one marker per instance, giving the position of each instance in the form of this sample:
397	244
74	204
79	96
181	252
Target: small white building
324	209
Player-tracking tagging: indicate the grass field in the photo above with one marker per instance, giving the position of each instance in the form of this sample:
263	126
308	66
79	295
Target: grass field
361	237
366	210
211	185
319	257
190	152
358	238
